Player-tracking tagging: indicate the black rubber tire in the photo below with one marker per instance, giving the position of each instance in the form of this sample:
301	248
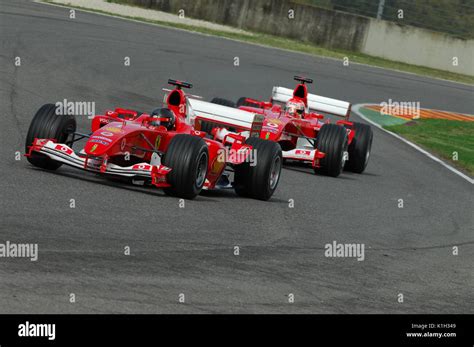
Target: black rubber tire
223	102
332	140
183	156
46	124
209	126
359	149
255	181
242	102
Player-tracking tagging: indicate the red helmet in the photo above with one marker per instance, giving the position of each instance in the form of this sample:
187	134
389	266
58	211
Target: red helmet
295	107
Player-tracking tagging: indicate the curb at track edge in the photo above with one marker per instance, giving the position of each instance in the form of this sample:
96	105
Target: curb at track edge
355	109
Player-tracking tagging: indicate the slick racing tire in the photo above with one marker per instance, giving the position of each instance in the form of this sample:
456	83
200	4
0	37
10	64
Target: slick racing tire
243	102
47	124
188	158
261	180
223	102
332	140
209	126
359	149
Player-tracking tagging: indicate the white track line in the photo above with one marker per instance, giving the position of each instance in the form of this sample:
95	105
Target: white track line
355	109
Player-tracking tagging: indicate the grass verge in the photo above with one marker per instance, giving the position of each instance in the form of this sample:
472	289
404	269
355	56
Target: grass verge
443	138
298	46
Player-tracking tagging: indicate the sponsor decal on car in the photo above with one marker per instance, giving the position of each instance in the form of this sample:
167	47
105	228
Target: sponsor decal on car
273	123
269	129
272	126
94	147
107	133
114	130
145	167
101	138
64	149
302	152
100	141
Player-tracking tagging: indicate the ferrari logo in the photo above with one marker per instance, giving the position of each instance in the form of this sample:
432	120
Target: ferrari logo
93	148
123	144
157	142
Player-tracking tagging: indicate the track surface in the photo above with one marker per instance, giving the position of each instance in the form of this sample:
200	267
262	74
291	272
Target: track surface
190	250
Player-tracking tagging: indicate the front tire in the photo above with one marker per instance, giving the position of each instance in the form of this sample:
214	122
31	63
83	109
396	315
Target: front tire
188	157
332	140
359	149
260	181
47	124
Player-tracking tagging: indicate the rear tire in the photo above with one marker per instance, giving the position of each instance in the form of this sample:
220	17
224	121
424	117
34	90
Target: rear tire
188	158
332	140
47	124
359	149
260	181
223	102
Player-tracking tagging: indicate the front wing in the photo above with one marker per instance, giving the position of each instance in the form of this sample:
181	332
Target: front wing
305	155
66	155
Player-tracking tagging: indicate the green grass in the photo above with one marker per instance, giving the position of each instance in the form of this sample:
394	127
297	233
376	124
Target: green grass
299	46
443	138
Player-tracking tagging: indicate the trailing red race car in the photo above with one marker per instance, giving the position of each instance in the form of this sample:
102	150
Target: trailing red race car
290	119
161	149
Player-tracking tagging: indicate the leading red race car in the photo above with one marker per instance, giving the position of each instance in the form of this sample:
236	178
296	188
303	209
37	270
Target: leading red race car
291	119
161	149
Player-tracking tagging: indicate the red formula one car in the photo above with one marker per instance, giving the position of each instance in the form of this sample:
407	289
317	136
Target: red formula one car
161	148
290	119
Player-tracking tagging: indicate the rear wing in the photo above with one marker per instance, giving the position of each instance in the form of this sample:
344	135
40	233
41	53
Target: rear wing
224	116
315	102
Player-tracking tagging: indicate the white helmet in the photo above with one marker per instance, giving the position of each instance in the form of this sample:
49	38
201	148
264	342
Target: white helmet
295	107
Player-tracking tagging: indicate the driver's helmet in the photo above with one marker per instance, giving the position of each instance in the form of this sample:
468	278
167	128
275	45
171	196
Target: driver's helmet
163	116
295	108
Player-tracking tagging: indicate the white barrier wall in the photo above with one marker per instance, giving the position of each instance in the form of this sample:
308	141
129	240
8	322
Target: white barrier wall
332	29
419	47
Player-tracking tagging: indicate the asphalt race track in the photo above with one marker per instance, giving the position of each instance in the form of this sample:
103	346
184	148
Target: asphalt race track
190	250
